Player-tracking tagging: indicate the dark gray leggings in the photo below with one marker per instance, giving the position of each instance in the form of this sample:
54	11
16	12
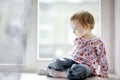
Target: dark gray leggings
74	71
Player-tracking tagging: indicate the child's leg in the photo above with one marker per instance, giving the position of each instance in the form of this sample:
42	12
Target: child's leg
58	74
57	68
78	72
52	72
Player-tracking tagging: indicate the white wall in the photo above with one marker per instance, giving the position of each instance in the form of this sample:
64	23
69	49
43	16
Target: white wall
117	37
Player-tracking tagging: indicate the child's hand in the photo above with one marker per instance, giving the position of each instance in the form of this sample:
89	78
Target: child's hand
104	76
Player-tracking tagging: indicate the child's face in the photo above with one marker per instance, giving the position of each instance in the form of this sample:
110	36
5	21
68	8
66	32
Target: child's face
78	29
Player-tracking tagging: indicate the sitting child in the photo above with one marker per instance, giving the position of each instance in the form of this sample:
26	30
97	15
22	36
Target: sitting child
87	59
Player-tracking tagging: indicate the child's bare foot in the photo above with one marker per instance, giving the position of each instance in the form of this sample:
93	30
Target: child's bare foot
55	73
41	71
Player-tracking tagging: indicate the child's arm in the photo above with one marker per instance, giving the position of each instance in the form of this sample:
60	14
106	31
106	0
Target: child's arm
103	76
103	67
102	61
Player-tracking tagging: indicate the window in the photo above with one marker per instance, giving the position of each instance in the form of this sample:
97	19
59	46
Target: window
54	34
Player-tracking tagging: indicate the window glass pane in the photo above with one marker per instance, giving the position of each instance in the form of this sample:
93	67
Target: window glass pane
55	37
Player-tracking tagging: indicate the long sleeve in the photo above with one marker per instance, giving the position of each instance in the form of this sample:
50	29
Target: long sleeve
102	60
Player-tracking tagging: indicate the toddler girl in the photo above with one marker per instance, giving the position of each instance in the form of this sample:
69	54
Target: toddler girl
89	56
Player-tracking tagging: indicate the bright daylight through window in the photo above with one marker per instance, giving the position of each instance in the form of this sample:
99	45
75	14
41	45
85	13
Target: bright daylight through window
54	34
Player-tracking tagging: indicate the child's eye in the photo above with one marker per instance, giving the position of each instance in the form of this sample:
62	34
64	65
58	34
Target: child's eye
74	30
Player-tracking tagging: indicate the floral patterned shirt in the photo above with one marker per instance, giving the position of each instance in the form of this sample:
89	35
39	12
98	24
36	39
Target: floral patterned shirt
91	52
